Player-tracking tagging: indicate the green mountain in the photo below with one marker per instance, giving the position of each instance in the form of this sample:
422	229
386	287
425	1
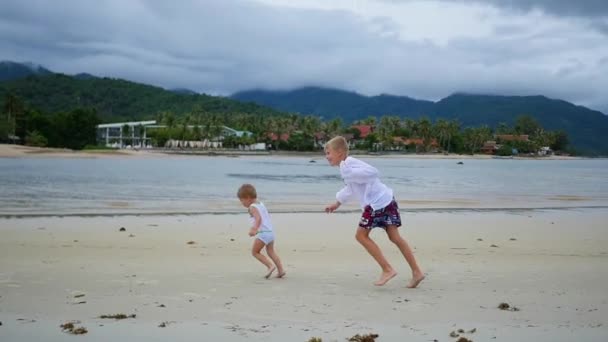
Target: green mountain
585	127
116	99
11	70
331	103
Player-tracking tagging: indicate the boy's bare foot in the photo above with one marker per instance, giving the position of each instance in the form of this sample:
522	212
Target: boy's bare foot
270	270
416	279
385	277
281	274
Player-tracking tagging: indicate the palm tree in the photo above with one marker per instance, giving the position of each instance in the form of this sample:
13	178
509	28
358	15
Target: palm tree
333	127
474	138
310	126
442	131
279	126
14	109
371	120
453	129
411	126
425	131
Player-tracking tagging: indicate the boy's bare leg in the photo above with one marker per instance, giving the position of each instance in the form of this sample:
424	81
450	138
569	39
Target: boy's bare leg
275	258
255	251
372	248
404	247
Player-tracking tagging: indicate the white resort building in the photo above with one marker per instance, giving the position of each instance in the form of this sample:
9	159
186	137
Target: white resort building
133	134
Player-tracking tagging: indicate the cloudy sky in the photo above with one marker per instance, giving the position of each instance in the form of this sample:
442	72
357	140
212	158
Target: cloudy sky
423	49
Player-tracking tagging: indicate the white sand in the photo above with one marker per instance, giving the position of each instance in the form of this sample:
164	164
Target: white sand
555	272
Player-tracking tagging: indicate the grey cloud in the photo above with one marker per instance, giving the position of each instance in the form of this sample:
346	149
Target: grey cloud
574	8
221	47
582	8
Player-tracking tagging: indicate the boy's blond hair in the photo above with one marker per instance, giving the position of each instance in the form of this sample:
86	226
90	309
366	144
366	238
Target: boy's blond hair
337	143
247	191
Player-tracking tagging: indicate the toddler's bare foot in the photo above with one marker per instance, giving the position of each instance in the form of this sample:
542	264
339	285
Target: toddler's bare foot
281	274
385	277
270	270
416	279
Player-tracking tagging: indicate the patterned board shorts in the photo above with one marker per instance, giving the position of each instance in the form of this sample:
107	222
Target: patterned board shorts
387	216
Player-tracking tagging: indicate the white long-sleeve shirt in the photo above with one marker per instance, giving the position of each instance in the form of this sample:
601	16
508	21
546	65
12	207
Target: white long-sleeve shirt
363	182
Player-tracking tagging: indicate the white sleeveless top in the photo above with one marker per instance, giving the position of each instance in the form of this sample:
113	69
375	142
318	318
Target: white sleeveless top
266	224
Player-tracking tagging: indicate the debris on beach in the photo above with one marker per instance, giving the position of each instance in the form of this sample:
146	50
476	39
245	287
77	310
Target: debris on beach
315	339
191	242
457	333
460	163
122	229
463	339
131	235
513	239
231	239
162	306
70	328
117	316
507	307
164	324
479	239
494	246
26	320
364	338
79	295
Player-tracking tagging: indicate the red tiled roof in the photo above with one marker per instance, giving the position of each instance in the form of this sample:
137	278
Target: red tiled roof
273	136
364	129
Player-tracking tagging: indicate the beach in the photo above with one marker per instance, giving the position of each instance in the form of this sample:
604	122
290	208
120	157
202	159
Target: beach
21	151
192	278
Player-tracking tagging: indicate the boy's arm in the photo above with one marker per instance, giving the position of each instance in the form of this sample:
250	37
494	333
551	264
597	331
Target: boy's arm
341	197
358	172
344	194
257	220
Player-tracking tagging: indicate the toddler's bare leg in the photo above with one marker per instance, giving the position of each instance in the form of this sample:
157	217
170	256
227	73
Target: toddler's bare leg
372	248
255	251
275	258
404	247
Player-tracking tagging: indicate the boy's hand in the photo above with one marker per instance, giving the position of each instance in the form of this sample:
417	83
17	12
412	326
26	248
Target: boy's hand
332	207
252	231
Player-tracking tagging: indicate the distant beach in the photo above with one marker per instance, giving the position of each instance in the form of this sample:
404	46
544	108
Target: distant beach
20	151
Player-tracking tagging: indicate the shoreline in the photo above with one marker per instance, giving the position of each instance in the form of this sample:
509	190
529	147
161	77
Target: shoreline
446	210
21	151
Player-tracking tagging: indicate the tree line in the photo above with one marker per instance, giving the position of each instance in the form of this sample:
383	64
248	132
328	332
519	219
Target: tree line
73	129
76	129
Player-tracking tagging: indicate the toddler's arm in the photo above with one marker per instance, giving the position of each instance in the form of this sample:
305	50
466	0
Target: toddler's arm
257	220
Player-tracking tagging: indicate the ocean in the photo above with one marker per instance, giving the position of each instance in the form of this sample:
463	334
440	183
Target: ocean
201	185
